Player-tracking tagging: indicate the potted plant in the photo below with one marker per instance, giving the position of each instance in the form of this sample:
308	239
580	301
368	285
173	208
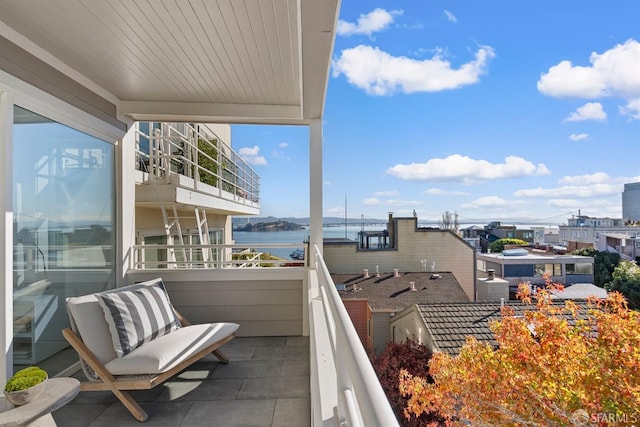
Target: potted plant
25	385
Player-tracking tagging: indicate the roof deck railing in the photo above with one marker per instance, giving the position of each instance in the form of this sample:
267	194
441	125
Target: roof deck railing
359	397
164	149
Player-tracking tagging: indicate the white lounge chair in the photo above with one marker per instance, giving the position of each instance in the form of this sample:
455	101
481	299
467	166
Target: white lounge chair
131	338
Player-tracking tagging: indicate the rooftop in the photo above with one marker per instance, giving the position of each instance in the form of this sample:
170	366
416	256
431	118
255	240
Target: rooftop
449	324
532	256
389	292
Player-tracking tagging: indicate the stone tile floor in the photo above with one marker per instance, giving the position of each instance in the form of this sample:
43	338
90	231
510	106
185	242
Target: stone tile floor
266	383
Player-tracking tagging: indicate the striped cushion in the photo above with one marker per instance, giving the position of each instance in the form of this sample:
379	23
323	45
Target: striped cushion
137	316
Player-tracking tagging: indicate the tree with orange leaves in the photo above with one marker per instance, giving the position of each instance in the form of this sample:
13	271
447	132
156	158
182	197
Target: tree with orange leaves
552	366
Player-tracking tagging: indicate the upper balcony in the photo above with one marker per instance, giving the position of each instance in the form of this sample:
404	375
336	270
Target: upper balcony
192	165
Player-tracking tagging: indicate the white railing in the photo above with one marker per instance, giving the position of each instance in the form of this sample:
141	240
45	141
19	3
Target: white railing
358	394
190	151
199	256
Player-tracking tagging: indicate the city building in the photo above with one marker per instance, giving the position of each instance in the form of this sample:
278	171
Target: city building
373	299
627	245
406	247
631	201
521	266
585	232
75	77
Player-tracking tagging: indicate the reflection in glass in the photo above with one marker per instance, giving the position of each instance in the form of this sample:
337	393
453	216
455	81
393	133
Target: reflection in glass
63	203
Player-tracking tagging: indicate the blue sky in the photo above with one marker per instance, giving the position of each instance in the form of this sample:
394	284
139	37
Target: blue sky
495	110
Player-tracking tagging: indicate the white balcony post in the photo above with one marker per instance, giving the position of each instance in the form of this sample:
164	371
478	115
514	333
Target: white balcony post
315	190
125	202
6	236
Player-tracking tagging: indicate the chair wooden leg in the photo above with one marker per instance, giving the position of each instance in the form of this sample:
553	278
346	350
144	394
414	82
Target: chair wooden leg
221	357
131	405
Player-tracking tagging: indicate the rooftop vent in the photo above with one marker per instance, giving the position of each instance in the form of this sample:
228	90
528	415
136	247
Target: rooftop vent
435	276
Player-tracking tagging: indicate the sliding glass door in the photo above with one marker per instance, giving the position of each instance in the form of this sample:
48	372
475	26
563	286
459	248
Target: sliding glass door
64	231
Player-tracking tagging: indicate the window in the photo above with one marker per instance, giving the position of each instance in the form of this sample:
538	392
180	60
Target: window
63	203
584	268
548	269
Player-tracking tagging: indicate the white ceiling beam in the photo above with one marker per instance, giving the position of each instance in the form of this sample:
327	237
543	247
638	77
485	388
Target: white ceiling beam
211	112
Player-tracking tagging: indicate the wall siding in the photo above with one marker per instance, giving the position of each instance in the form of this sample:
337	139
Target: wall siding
381	330
261	307
359	313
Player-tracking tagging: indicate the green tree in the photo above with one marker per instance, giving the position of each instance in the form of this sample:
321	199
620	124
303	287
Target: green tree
626	280
498	245
604	263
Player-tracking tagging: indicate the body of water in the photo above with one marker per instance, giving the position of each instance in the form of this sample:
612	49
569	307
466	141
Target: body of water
254	238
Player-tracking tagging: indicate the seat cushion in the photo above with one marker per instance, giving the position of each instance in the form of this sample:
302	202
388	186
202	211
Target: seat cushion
137	316
164	353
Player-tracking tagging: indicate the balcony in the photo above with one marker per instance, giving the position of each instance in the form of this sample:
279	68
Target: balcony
285	367
191	165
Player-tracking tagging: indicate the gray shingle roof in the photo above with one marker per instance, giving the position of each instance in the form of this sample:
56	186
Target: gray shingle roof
389	292
450	323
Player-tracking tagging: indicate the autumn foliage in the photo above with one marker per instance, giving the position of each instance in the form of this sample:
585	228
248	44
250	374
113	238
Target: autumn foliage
556	365
413	358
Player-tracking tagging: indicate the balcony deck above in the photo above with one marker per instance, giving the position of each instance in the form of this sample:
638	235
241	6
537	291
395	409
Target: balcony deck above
187	192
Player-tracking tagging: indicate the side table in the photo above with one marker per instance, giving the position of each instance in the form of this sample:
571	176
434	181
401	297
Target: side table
37	413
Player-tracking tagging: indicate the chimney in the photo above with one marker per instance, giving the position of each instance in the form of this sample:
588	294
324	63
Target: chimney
395	272
391	230
491	274
366	273
412	286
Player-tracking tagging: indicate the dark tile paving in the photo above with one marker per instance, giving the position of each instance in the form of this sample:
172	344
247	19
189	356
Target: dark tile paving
266	383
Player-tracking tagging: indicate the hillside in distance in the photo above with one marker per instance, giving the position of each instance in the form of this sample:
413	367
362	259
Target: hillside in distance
278	225
327	220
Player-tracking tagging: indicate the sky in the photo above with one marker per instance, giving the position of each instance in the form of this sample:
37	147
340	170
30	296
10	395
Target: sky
494	110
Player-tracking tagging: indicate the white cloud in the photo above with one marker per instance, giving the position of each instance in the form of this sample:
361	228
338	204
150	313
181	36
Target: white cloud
374	201
565	203
283	145
337	211
252	156
485	202
379	73
369	23
396	203
391	193
435	192
612	73
594	178
441	192
450	16
464	169
573	187
578	136
589	111
632	109
371	201
582	191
